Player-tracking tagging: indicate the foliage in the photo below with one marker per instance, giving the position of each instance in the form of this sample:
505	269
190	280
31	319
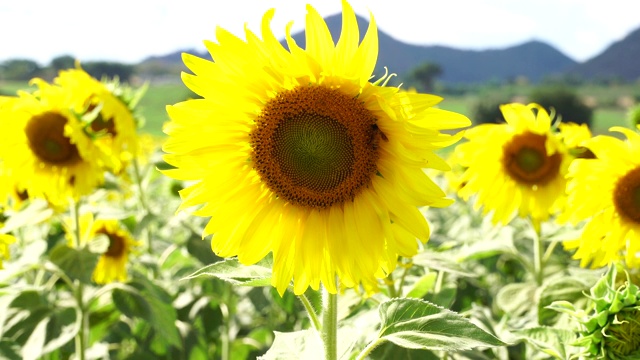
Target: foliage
19	69
564	101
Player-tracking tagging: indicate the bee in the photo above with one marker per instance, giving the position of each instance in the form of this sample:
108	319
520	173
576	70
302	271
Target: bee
376	135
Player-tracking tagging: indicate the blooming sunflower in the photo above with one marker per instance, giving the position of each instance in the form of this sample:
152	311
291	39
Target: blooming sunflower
106	118
44	148
112	264
606	192
296	153
516	167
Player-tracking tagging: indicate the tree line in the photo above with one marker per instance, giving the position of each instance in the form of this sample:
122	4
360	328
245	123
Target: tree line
26	69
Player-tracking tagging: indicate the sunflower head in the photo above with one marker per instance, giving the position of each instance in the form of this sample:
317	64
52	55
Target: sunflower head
517	167
113	261
44	149
610	327
294	152
613	216
106	119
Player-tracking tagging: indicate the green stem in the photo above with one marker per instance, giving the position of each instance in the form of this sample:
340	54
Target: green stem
81	336
391	286
439	281
329	332
369	349
538	264
143	201
315	322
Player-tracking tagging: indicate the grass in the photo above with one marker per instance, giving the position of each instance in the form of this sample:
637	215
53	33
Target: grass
153	105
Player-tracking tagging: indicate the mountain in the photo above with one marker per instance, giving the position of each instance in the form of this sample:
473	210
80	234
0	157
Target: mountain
619	60
533	60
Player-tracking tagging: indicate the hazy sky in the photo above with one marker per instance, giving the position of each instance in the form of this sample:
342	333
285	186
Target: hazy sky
131	30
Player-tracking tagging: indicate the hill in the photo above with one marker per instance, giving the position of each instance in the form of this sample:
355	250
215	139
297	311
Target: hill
619	60
533	59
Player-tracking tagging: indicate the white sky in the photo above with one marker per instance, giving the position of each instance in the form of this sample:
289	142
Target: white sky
131	30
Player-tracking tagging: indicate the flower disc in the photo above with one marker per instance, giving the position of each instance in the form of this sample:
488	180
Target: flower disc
45	133
525	159
626	196
314	146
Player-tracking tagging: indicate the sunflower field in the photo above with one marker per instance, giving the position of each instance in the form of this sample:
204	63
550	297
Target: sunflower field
302	208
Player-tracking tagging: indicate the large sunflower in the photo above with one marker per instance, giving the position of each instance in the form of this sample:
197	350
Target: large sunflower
606	192
44	148
517	167
106	118
296	153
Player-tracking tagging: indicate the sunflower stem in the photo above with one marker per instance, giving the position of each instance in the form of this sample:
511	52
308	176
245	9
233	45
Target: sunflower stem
369	348
313	317
143	201
81	338
538	263
329	330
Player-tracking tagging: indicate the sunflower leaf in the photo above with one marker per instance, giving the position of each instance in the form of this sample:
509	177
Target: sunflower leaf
232	271
77	264
303	344
418	324
551	341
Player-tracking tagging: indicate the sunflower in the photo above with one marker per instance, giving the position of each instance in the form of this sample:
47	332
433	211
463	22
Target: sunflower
44	148
295	153
605	191
516	167
112	264
106	118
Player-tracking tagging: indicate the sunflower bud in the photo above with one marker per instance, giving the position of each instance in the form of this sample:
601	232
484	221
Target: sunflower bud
610	328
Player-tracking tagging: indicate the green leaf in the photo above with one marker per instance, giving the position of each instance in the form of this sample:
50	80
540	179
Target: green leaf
390	351
9	350
441	262
567	289
422	286
232	271
131	303
551	341
147	301
418	324
36	212
295	345
78	264
516	299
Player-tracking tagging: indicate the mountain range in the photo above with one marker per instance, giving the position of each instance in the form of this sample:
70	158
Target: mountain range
534	60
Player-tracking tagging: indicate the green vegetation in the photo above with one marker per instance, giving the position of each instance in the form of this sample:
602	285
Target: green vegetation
606	101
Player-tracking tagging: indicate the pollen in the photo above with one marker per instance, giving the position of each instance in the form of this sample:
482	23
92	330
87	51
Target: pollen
315	147
526	160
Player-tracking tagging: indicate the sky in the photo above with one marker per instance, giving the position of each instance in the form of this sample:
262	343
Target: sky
131	30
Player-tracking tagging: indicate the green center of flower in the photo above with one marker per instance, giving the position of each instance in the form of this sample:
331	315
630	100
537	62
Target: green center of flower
313	151
626	196
526	160
117	244
314	146
45	133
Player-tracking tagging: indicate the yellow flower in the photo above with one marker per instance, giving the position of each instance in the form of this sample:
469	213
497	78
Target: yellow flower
44	148
296	153
606	192
107	118
516	167
5	241
112	264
